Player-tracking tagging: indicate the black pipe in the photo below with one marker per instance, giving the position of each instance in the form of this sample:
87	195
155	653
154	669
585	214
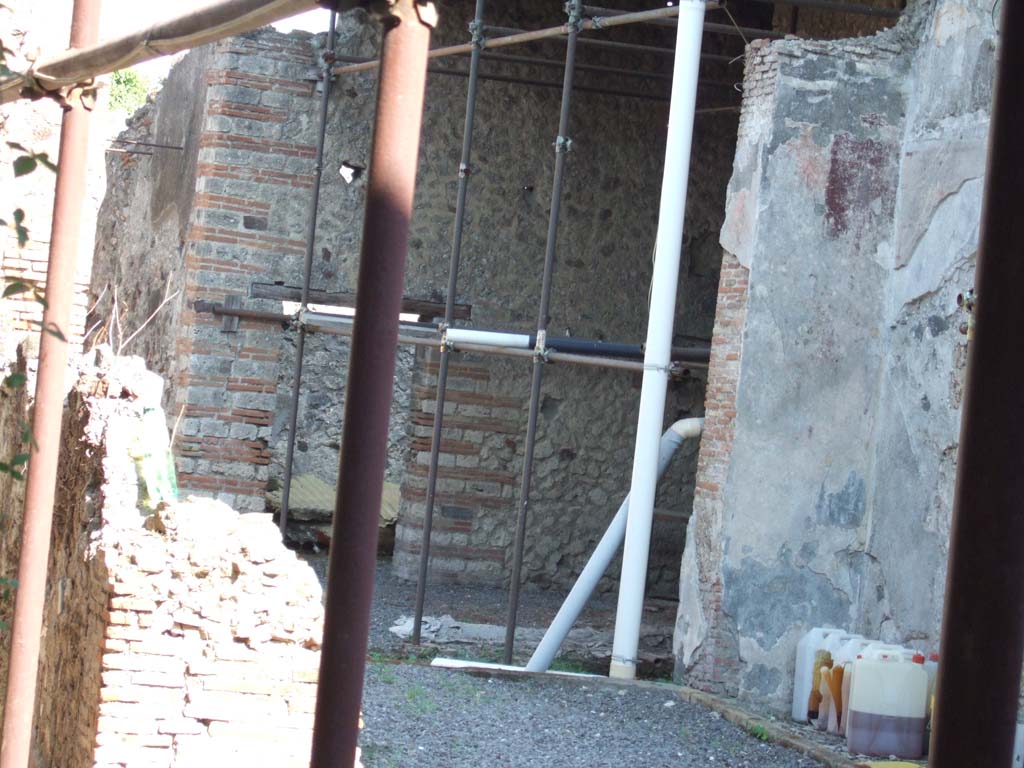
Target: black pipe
453	279
979	673
307	272
370	381
709	26
562	146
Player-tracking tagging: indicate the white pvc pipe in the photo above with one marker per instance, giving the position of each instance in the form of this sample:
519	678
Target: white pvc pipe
659	338
489	338
603	555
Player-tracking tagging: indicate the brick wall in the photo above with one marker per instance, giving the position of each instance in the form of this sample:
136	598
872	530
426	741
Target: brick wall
464	544
186	638
252	166
715	666
210	652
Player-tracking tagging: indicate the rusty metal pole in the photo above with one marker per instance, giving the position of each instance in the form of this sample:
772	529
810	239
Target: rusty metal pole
327	59
40	487
476	27
562	146
983	621
396	137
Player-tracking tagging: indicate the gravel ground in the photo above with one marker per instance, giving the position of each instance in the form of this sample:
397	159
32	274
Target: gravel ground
423	717
435	718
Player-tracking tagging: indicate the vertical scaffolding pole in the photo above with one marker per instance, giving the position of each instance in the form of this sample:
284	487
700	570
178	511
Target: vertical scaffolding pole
476	28
983	622
389	199
658	349
41	484
307	270
562	146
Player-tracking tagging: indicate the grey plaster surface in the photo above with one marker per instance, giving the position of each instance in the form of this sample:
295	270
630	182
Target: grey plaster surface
855	205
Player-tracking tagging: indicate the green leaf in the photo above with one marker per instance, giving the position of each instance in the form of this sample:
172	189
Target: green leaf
24	165
20	459
16	287
15	380
22	234
40	299
44	160
19	216
16	145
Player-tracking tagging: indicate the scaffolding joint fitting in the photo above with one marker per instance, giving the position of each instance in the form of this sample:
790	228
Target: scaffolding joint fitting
563	144
465	171
540	349
574	10
442	328
391	12
476	30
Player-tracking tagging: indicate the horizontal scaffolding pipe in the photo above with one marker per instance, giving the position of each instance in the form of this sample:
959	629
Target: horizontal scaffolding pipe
358	60
697	354
539	61
187	30
551	84
605	14
337	326
620	46
519	37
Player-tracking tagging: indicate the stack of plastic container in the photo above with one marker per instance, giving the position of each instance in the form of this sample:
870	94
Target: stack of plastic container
878	695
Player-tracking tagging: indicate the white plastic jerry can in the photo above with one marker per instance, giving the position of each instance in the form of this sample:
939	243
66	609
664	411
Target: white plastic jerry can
809	647
888	704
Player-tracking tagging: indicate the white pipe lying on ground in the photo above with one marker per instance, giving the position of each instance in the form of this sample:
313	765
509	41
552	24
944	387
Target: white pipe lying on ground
603	555
659	338
490	338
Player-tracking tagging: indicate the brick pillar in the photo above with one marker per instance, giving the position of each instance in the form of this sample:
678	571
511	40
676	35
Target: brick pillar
254	168
714	665
472	503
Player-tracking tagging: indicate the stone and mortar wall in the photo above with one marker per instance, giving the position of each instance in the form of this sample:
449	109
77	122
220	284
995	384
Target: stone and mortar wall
853	210
142	225
186	637
820	23
253	174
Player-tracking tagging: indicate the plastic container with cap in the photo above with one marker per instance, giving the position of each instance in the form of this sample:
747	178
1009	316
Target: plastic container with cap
848	672
810	657
887	705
